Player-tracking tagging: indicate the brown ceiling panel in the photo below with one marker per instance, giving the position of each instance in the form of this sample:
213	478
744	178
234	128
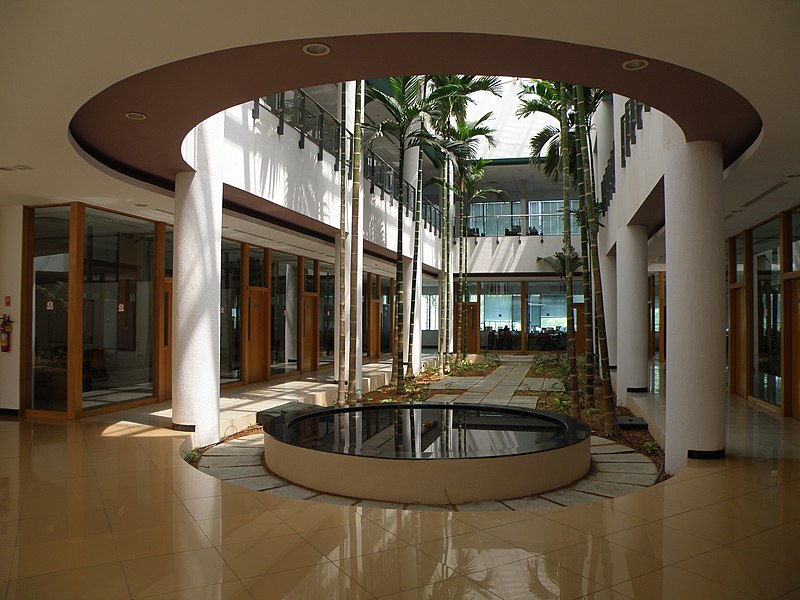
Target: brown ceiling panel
177	96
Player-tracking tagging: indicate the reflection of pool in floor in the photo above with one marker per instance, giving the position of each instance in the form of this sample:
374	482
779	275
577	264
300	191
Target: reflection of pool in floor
425	453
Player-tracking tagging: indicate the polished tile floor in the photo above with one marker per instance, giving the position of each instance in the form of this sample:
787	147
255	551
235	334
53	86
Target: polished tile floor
107	509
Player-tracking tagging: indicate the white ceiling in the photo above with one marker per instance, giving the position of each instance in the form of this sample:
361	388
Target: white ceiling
57	55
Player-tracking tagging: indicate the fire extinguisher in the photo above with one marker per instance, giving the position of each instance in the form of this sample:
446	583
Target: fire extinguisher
5	333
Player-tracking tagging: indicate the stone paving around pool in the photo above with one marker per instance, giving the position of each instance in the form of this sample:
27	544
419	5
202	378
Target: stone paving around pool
498	387
616	471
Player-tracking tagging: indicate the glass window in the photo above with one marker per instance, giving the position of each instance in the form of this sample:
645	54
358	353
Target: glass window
284	297
230	341
430	314
501	316
767	312
546	306
327	312
257	266
309	275
795	218
117	309
169	244
387	301
738	244
50	302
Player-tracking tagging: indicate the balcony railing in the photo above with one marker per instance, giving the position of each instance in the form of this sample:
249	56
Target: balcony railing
520	225
313	122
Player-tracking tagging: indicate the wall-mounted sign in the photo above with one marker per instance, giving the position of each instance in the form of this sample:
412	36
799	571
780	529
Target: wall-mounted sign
120	307
49	305
8	301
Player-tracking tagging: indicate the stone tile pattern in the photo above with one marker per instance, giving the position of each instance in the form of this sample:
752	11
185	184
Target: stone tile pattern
616	471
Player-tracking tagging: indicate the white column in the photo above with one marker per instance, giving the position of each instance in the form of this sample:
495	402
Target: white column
695	300
632	372
359	269
409	353
608	272
336	303
196	281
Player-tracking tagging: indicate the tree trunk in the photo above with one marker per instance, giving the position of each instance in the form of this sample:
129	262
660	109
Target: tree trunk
448	263
588	317
414	267
574	405
442	271
397	363
462	284
354	382
611	426
341	390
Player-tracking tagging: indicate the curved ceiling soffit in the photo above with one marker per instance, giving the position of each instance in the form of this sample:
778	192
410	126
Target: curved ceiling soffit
179	95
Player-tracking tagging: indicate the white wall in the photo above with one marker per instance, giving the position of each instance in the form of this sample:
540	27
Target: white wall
259	161
513	254
644	168
11	285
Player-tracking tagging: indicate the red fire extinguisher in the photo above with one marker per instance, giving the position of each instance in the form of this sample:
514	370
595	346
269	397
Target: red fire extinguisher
5	333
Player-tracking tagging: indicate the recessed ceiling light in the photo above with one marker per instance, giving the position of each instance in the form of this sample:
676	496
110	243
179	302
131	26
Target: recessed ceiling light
16	168
316	49
635	64
141	205
135	116
793	175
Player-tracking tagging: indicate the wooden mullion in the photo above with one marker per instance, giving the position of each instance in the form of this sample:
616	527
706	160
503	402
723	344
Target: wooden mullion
159	323
75	312
26	313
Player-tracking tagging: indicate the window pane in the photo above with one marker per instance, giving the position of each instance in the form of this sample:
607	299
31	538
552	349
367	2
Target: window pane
309	275
501	316
169	237
796	240
767	312
739	258
257	263
230	302
327	312
50	297
117	309
387	301
546	307
284	313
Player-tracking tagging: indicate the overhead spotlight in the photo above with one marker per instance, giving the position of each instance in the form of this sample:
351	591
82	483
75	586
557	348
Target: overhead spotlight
135	116
316	49
635	64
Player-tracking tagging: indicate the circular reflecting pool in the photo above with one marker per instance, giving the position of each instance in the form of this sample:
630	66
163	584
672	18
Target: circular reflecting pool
431	452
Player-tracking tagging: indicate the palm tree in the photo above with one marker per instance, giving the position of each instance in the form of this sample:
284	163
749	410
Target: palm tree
406	108
453	95
469	188
354	387
541	96
341	395
462	138
611	425
575	409
558	262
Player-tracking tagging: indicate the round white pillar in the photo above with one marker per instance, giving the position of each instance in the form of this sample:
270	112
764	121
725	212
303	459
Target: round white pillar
695	381
196	282
632	372
608	272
